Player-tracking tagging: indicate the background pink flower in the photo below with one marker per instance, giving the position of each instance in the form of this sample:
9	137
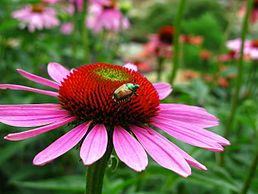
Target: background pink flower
250	47
36	17
106	17
66	28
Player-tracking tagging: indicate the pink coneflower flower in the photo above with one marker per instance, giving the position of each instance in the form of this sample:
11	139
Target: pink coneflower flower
106	16
66	28
250	48
229	56
36	17
254	13
112	103
160	43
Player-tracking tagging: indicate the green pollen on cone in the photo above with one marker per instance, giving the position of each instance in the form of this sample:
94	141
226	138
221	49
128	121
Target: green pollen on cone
112	74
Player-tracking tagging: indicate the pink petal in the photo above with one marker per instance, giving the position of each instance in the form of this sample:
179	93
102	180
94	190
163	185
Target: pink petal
29	106
187	136
194	115
4	113
33	117
193	128
161	150
33	122
38	79
61	145
163	89
57	72
37	131
129	150
94	145
189	159
180	106
25	88
131	66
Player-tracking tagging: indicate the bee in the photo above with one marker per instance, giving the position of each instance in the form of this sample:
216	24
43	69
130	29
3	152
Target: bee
125	92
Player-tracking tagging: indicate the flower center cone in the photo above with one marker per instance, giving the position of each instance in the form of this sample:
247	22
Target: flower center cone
88	93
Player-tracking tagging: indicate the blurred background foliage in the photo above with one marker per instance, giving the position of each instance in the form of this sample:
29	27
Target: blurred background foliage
32	51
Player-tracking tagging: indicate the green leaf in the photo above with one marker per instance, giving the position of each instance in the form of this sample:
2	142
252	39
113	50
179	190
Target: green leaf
73	183
13	148
210	181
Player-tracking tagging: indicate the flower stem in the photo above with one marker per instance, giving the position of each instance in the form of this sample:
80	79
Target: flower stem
176	44
96	171
231	23
235	97
160	68
250	174
75	28
85	39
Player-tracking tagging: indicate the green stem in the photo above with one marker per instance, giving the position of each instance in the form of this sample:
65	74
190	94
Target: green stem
251	86
96	171
231	23
251	174
139	182
85	38
235	97
176	44
75	30
160	68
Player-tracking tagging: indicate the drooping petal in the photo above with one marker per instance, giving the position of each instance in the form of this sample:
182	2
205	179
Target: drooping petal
25	88
94	145
61	145
161	150
187	136
180	106
129	150
37	131
5	113
33	117
29	106
163	89
57	72
131	66
190	114
31	122
194	163
189	159
193	128
38	79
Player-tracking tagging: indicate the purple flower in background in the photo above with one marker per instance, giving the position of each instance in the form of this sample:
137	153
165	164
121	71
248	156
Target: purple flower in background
250	47
254	12
104	15
66	28
112	103
36	17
